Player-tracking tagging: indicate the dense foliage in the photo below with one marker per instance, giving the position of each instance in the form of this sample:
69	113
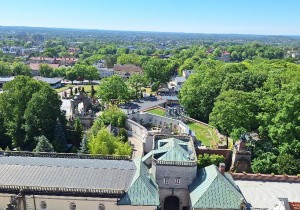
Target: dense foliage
261	96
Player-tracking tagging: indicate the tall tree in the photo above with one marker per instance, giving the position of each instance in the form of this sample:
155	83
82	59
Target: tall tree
5	68
41	114
45	70
71	74
59	143
84	145
137	82
78	132
19	68
43	145
92	73
113	88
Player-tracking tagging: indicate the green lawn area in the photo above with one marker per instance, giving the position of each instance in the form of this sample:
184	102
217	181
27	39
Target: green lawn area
204	134
64	88
157	112
88	88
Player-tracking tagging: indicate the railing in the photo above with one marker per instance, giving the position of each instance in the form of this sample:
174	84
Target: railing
44	189
65	155
175	163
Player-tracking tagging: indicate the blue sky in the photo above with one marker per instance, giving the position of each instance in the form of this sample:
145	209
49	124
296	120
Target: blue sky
271	17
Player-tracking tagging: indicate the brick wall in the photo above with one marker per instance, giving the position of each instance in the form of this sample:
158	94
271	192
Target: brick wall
227	153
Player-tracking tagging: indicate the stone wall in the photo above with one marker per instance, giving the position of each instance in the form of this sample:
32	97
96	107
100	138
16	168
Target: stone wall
241	161
227	153
182	194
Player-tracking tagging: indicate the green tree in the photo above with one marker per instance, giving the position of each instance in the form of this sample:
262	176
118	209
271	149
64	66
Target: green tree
59	143
137	82
92	73
265	163
287	164
45	70
83	145
93	91
19	68
123	135
129	59
80	70
5	68
207	160
13	104
41	114
43	145
115	116
78	132
71	74
233	110
113	88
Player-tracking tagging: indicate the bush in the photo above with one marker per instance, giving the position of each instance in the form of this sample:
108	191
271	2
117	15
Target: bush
206	160
123	135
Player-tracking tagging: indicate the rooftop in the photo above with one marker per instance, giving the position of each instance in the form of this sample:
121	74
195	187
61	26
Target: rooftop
265	194
127	68
212	190
6	79
66	173
48	80
35	66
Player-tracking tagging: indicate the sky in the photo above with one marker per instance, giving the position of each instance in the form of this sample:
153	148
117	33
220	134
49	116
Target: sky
265	17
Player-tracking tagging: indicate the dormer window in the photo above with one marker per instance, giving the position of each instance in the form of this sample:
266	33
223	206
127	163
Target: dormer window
177	181
166	181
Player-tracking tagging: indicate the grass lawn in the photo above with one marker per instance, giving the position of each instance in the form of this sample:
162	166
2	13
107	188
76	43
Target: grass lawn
204	134
88	88
157	112
64	88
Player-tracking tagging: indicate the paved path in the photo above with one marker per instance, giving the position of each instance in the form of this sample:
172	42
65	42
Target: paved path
137	147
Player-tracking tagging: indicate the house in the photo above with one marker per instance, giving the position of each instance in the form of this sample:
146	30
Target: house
179	82
35	68
187	73
65	61
100	64
225	57
73	50
4	80
296	55
105	72
53	82
41	60
127	70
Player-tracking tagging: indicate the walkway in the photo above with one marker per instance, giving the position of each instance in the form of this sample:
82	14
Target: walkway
137	147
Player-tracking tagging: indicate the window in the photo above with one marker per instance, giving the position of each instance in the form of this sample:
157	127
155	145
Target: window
177	181
167	181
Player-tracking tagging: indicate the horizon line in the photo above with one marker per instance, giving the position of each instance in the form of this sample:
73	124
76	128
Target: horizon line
51	27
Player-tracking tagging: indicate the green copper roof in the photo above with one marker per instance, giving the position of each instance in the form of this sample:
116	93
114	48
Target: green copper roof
143	190
172	149
212	190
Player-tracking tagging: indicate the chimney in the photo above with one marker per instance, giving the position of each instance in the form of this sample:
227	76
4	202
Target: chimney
222	168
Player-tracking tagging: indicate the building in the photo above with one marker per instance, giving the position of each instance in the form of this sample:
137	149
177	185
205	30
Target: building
100	64
167	177
179	82
35	68
296	55
52	181
263	190
225	57
58	60
187	73
53	82
41	60
73	50
4	80
127	70
105	72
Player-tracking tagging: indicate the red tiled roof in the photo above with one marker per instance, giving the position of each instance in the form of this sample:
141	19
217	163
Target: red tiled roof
41	58
127	68
35	66
226	53
294	205
66	59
